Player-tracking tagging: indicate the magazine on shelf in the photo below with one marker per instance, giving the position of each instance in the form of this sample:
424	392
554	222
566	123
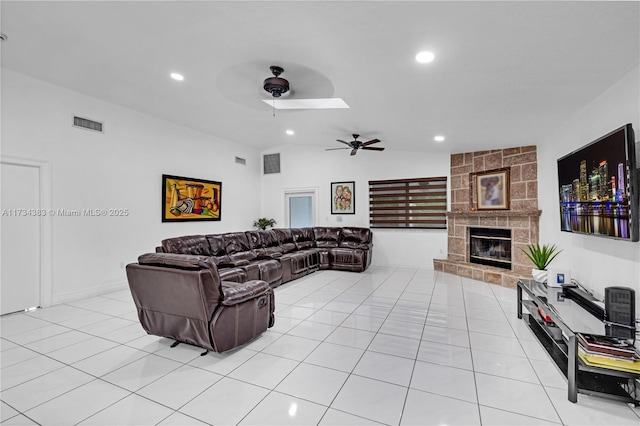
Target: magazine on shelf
607	345
612	363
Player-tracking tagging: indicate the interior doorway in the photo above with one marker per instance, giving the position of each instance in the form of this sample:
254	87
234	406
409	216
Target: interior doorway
26	230
300	208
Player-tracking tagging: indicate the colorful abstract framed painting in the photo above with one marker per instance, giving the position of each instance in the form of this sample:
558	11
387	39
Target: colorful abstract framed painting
187	199
343	197
492	190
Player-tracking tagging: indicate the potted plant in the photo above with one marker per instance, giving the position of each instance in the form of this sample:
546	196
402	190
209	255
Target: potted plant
541	258
264	223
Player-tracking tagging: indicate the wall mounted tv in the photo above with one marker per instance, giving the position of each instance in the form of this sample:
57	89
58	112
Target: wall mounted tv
599	187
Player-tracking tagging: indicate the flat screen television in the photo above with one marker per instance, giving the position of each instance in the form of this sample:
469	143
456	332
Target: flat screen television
599	187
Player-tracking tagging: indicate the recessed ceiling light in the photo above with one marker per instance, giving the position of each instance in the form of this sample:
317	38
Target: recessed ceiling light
439	138
176	76
425	57
290	132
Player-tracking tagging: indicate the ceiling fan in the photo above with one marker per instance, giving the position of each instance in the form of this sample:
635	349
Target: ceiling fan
355	145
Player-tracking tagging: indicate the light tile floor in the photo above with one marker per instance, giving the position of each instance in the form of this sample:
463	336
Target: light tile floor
387	346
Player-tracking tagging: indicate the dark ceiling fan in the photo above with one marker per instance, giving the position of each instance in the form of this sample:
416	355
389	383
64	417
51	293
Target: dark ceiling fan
355	145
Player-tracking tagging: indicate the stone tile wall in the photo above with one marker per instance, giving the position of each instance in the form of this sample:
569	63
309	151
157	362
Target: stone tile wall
523	165
522	217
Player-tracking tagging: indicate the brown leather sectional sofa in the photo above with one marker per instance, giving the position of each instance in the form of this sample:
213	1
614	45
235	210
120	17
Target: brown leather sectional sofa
278	255
216	291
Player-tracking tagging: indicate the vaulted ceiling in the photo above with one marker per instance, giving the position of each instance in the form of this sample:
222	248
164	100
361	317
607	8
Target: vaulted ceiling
505	73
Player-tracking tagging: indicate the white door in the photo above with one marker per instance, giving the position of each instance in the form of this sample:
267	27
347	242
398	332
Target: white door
300	209
20	256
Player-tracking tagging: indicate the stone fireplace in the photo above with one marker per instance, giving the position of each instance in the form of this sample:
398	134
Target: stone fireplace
520	222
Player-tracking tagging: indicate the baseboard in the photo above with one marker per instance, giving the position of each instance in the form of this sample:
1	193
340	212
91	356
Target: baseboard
72	296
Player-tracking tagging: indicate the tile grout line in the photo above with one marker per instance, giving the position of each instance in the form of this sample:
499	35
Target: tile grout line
415	361
532	367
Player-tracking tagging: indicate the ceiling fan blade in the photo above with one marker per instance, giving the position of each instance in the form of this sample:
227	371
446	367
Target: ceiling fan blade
346	143
371	142
373	148
353	151
333	149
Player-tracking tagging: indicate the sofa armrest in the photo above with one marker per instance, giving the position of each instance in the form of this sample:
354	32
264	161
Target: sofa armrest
355	245
235	293
234	263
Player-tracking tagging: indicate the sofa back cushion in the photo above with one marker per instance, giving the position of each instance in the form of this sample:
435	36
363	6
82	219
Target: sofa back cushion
218	248
356	238
304	238
327	237
237	247
254	239
270	245
196	245
285	238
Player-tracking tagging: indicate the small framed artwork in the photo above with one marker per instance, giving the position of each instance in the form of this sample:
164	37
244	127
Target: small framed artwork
343	197
492	190
187	199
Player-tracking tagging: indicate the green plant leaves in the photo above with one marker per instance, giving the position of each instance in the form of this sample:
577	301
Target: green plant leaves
541	256
264	223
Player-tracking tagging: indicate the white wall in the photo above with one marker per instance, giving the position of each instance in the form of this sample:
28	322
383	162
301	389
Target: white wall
313	167
596	262
121	168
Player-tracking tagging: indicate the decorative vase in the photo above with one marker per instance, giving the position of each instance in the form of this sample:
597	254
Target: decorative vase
539	275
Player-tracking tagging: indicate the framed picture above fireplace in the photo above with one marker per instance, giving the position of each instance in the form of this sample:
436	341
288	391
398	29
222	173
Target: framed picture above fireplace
492	189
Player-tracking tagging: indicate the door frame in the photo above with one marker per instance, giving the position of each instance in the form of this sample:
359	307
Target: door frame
312	191
44	169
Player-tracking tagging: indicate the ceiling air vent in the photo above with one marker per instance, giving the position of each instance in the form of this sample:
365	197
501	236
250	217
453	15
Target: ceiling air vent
241	161
85	123
271	163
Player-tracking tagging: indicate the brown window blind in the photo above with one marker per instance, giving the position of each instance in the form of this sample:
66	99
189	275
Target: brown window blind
408	203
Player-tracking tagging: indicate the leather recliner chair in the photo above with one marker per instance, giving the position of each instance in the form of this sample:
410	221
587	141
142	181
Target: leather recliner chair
182	297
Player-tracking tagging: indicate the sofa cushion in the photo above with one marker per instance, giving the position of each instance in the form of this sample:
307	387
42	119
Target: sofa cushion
355	238
237	247
237	275
254	239
327	237
285	238
270	243
264	243
218	249
192	244
304	238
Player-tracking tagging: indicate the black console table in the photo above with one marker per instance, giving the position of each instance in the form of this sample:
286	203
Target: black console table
573	314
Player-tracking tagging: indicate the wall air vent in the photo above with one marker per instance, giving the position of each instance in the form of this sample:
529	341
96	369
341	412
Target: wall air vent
241	161
85	123
271	163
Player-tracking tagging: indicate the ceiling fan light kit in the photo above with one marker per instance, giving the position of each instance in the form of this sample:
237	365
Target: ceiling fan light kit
276	85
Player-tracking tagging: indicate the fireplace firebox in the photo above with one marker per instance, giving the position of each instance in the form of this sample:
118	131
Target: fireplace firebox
490	246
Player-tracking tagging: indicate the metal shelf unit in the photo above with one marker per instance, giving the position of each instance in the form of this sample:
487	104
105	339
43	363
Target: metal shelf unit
581	378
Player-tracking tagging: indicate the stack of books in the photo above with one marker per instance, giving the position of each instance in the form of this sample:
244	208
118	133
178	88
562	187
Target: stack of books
608	352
